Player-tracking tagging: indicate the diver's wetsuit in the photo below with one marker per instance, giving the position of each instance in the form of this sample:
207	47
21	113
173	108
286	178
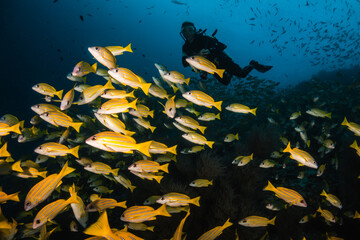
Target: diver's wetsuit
217	56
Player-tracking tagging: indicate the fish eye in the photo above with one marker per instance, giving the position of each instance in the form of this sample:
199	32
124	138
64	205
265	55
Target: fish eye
123	215
40	147
28	204
38	221
93	138
46	114
192	58
105	92
68	102
134	164
96	48
162	198
117	70
170	109
244	220
79	68
302	201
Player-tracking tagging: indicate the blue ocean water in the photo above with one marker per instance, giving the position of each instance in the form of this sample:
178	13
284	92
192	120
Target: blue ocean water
43	41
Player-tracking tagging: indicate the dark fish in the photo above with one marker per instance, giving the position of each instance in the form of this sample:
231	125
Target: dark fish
252	41
178	3
55	1
81	18
251	18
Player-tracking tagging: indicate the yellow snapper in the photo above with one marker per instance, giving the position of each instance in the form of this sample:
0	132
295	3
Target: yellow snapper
104	56
140	227
256	221
201	183
295	115
318	113
53	149
209	116
119	50
174	199
197	138
101	168
286	194
9	119
215	232
148	166
267	163
158	91
141	111
190	122
47	90
355	146
202	99
11	197
243	160
125	182
115	93
116	106
3	151
301	156
176	77
44	107
326	214
89	94
67	99
178	232
113	124
43	189
231	137
160	148
240	108
148	176
204	64
116	142
354	127
60	119
334	200
137	214
144	123
127	77
78	208
83	68
193	149
321	170
104	203
50	211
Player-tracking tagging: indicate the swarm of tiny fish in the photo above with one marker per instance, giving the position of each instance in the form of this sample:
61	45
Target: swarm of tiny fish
129	159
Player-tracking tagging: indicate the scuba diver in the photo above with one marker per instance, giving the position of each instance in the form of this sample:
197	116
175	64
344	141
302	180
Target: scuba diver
197	43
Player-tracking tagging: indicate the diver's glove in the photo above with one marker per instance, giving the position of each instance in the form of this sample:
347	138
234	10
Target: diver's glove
259	67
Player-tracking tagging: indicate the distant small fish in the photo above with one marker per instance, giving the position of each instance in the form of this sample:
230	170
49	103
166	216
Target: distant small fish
81	18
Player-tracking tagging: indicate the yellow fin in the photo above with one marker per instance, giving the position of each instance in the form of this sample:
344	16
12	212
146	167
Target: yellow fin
144	148
59	94
100	227
196	201
17	167
253	111
218	105
76	125
165	168
162	211
220	72
75	151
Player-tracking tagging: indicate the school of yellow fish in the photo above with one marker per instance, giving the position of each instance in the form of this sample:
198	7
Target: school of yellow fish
122	96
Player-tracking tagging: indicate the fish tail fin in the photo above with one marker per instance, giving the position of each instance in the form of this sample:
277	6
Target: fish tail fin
128	48
16	128
100	227
43	174
220	72
308	143
3	151
319	209
299	113
17	167
14	197
129	133
202	129
187	80
144	148
196	201
227	224
253	111
345	122
76	126
218	105
237	136
121	204
210	143
73	198
131	94
152	129
150	228
162	211
115	171
132	188
66	170
217	116
59	93
353	145
145	87
93	67
133	104
165	168
151	114
288	148
75	151
272	221
158	178
252	156
172	149
270	187
211	182
328	115
323	193
109	85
